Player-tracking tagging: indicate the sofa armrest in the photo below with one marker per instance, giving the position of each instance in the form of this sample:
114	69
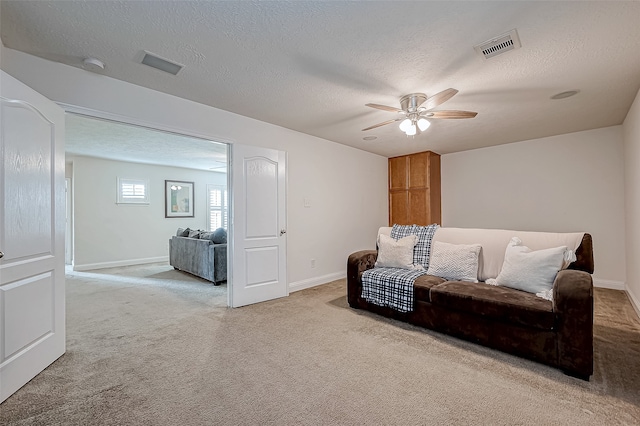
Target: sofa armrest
573	306
357	263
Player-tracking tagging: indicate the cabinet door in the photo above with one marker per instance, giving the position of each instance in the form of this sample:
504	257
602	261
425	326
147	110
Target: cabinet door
419	170
399	208
398	173
419	212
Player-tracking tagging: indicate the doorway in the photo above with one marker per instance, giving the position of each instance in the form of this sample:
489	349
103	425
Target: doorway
120	210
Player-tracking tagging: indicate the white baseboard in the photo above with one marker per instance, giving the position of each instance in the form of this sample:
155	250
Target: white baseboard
634	301
119	263
613	285
312	282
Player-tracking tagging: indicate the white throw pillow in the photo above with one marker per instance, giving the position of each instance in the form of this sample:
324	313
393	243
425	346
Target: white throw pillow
532	271
395	254
456	262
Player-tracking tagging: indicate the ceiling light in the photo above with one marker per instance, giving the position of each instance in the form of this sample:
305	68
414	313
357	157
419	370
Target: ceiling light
416	114
566	94
92	64
423	124
404	125
413	123
369	138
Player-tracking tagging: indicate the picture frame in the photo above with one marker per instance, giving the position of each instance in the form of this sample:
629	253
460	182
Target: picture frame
178	199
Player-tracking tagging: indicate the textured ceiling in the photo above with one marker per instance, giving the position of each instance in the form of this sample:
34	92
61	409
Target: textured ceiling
115	141
311	66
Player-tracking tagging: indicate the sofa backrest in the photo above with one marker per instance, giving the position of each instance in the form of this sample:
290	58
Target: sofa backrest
494	243
202	242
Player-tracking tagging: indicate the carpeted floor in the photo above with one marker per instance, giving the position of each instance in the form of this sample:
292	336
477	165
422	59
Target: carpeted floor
151	346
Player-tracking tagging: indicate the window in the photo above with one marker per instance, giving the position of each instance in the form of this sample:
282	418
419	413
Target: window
217	206
133	191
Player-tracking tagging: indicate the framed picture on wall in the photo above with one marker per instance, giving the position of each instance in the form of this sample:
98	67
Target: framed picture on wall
178	198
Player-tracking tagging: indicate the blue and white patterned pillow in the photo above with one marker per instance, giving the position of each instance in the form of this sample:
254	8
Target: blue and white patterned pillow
422	250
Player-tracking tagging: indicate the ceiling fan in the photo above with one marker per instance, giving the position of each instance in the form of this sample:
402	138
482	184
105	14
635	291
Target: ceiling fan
416	108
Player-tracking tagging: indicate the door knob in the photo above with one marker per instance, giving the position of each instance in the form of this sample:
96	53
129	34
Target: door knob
282	232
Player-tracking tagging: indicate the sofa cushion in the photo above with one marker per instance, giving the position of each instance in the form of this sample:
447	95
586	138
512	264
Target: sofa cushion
532	271
422	285
422	249
495	241
457	262
395	254
193	233
182	232
219	236
499	303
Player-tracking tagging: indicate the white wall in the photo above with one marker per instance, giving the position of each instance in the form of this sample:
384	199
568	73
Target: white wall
347	187
631	137
109	234
565	183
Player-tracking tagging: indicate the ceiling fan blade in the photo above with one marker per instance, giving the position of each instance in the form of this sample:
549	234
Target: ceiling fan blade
439	98
450	114
384	123
384	107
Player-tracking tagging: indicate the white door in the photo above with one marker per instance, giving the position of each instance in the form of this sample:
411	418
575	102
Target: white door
258	211
32	221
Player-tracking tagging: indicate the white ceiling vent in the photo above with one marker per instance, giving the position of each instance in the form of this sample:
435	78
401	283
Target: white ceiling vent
498	45
162	64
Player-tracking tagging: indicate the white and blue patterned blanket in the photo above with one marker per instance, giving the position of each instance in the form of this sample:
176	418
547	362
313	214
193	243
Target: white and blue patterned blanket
393	287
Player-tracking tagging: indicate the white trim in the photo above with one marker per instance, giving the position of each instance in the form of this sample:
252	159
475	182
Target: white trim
94	113
634	302
613	285
68	233
116	264
316	281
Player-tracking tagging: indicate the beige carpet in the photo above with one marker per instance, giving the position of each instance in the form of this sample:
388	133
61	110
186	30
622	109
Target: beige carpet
148	348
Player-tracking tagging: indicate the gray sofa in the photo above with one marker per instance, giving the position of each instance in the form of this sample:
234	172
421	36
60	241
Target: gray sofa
199	253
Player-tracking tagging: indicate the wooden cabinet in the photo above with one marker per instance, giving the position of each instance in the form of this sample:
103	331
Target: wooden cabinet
414	189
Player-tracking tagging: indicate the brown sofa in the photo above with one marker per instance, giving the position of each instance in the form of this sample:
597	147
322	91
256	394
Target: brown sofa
557	333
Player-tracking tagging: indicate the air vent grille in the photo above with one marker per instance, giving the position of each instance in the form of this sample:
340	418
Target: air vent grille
161	64
498	45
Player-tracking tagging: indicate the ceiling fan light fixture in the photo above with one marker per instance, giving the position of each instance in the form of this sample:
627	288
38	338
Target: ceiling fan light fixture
423	124
417	107
405	124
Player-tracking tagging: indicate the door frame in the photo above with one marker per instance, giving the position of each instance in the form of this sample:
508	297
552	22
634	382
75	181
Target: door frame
92	113
68	230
